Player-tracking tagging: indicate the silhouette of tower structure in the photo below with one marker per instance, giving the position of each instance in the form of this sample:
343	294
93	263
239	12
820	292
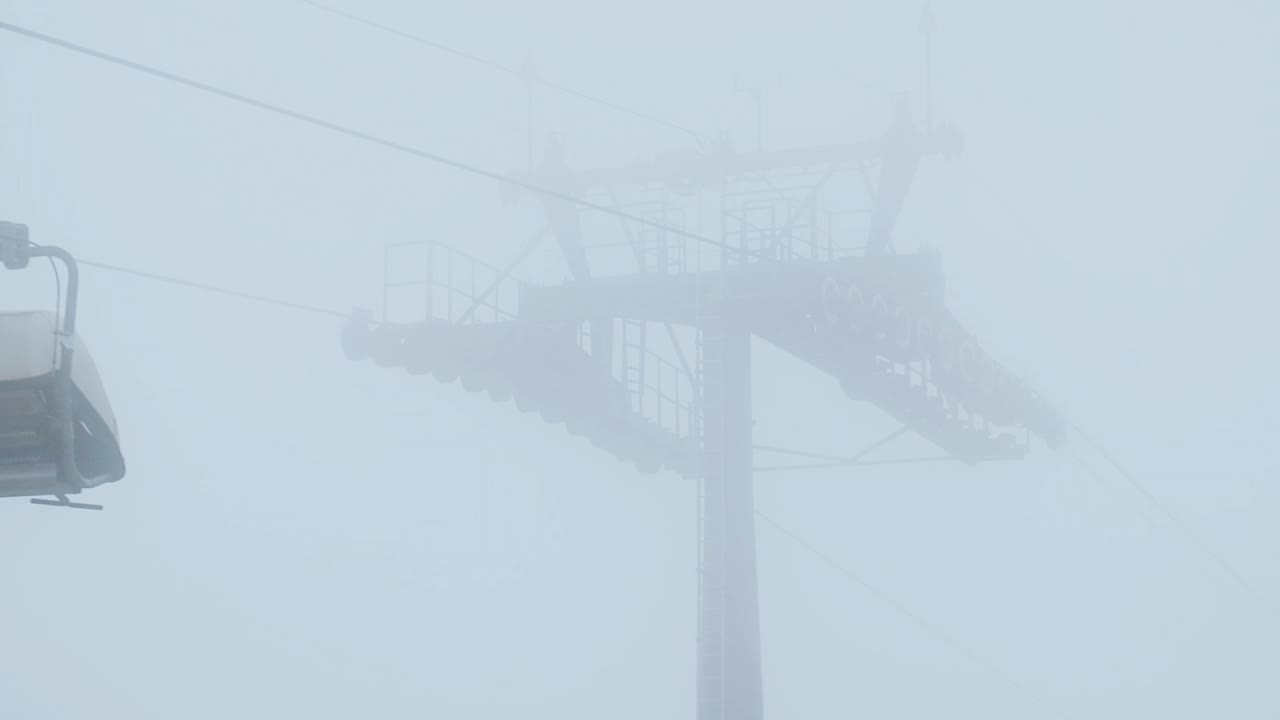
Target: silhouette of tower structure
646	350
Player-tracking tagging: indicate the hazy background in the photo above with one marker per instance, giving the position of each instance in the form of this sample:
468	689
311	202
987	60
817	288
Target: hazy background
300	536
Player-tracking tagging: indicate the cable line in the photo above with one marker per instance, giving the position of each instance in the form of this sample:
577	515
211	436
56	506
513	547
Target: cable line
1155	501
506	69
214	289
360	135
906	612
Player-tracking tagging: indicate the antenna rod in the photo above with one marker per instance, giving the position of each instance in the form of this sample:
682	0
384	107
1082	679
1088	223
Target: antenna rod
530	73
757	95
928	26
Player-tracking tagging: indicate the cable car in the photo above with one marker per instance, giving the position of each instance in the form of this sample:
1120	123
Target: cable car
58	435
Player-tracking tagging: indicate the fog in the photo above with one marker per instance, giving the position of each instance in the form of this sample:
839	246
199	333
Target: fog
300	535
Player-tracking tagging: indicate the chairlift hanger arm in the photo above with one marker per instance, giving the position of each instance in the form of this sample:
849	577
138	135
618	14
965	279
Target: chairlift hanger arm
16	251
73	282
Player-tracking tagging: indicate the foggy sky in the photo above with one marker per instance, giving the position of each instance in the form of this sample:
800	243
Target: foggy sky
299	535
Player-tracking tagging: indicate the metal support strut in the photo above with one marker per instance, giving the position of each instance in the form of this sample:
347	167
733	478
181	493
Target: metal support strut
729	676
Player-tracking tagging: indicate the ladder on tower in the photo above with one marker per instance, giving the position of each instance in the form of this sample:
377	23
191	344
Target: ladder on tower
633	363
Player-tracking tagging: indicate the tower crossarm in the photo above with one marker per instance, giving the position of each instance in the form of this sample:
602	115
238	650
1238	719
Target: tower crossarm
878	325
696	167
542	369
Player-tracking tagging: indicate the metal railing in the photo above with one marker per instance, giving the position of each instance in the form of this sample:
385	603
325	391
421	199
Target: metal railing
659	390
451	285
784	229
658	396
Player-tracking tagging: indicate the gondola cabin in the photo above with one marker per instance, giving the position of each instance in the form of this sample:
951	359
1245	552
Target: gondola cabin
58	435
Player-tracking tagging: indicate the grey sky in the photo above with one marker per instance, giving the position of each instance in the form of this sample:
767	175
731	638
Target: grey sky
304	536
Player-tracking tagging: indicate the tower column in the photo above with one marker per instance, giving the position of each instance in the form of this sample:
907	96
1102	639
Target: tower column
729	676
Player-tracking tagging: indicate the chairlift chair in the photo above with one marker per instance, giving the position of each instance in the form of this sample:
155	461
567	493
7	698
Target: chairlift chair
58	435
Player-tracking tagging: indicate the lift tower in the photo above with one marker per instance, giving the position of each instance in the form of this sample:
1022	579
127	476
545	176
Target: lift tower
648	356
